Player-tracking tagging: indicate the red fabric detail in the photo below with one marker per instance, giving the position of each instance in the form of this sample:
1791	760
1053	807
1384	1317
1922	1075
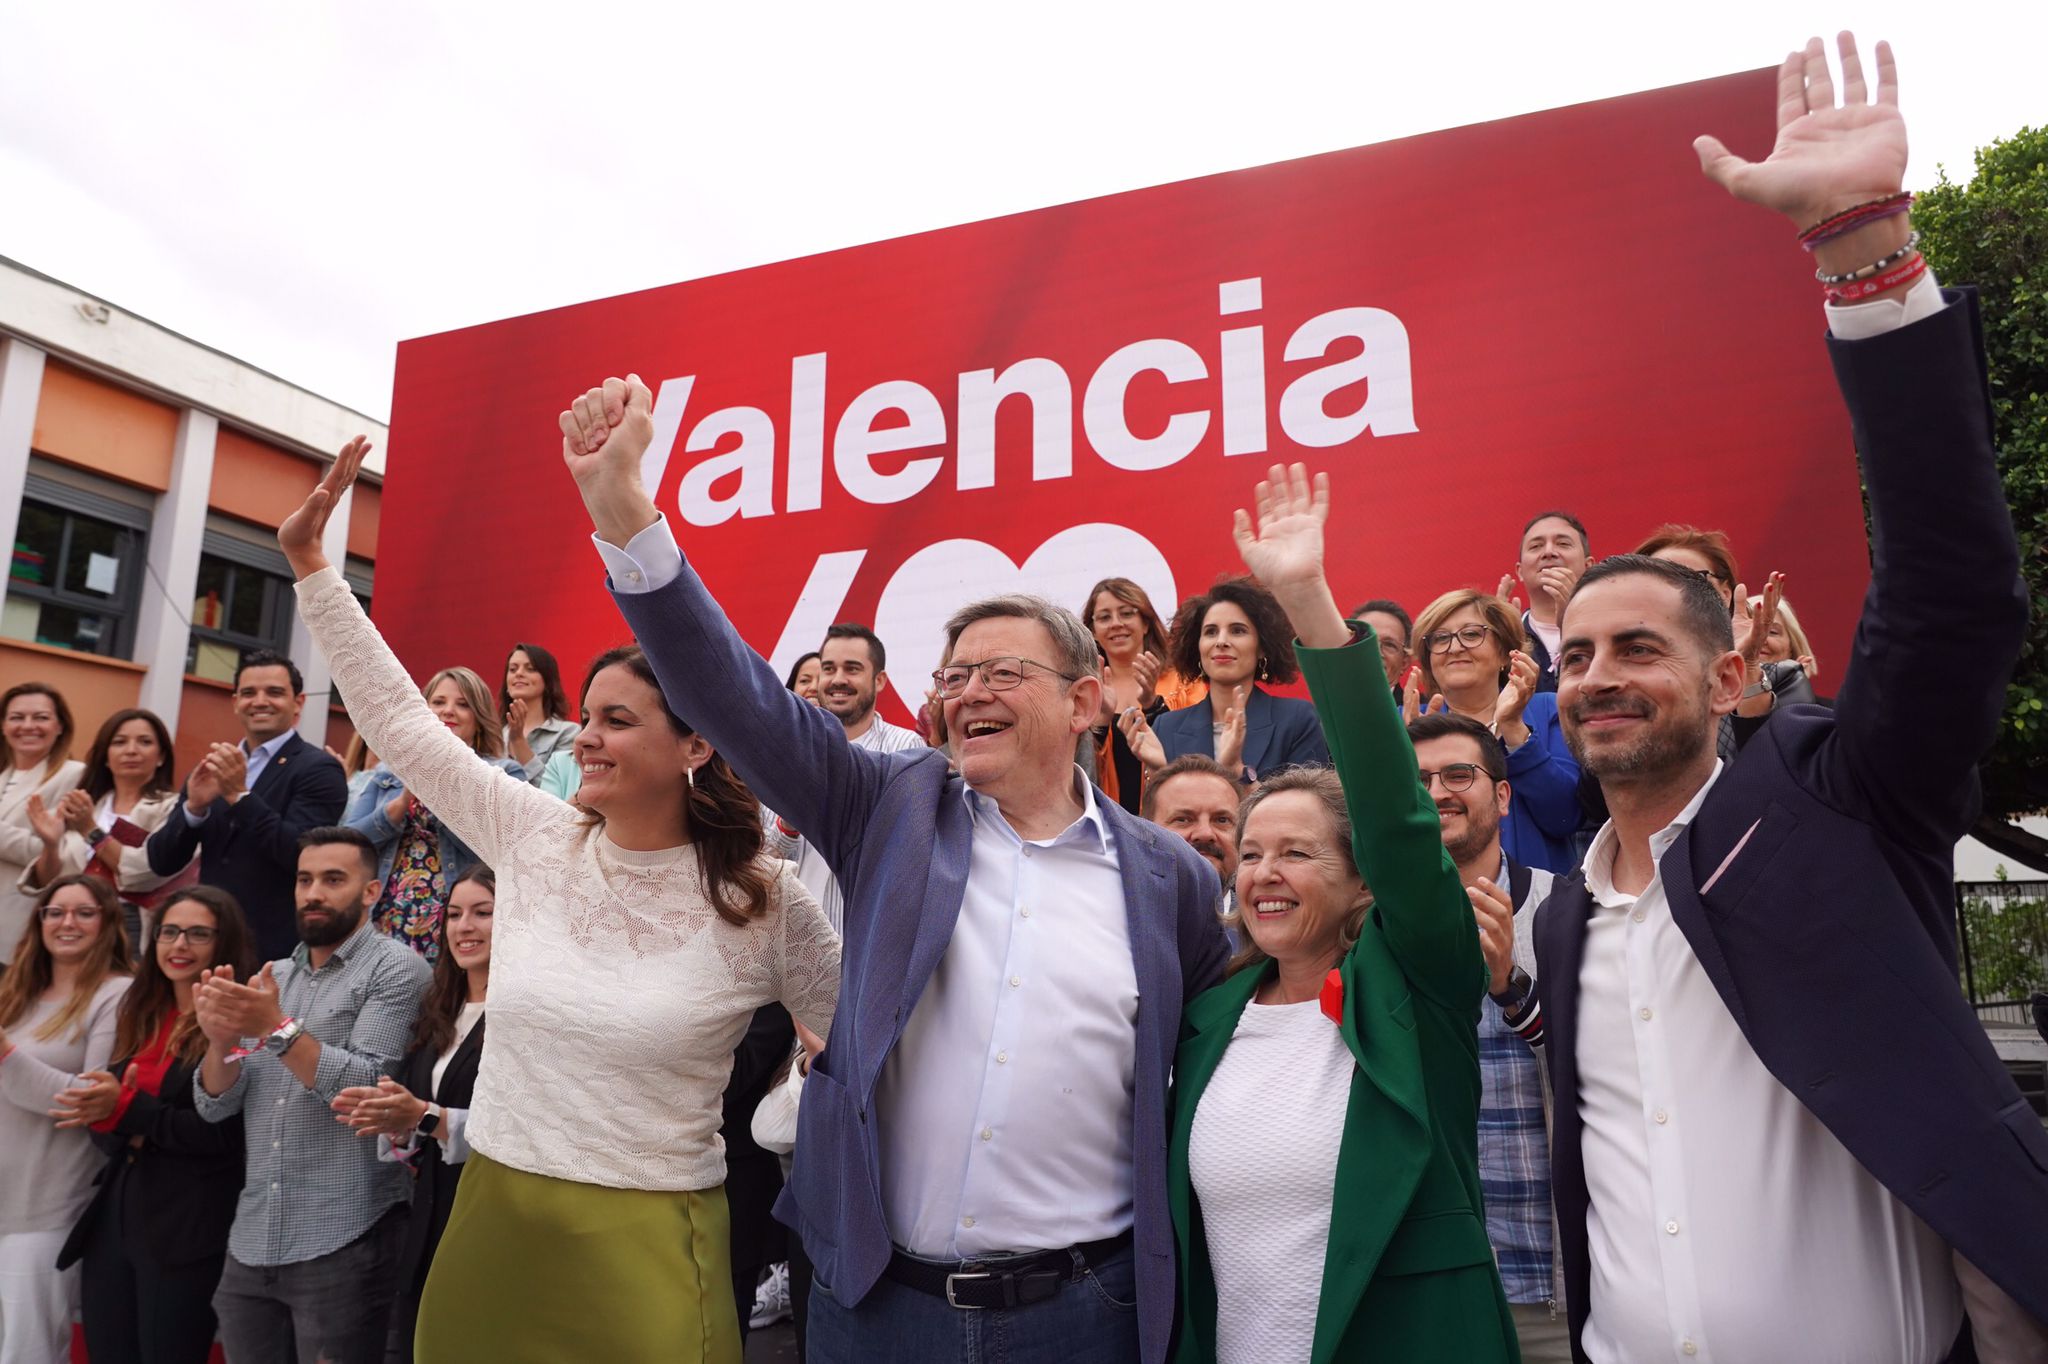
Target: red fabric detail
151	1064
1332	997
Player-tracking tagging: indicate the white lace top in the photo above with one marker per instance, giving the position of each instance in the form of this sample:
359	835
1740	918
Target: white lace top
617	993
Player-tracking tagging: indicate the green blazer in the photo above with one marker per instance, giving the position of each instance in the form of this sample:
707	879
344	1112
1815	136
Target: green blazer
1408	1274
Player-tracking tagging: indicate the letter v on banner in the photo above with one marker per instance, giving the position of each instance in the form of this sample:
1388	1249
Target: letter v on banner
817	606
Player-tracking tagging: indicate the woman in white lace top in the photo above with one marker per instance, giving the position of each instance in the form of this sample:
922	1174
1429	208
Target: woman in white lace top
632	946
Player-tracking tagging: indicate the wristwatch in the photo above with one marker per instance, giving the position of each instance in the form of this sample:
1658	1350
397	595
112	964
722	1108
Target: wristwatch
96	837
280	1040
1517	993
430	1121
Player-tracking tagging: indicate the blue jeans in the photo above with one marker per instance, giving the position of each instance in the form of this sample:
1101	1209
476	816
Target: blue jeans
1092	1319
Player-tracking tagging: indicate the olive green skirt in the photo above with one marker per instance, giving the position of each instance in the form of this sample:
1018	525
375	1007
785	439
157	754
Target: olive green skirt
547	1270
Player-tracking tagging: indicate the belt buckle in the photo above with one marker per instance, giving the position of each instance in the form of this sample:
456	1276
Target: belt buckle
952	1301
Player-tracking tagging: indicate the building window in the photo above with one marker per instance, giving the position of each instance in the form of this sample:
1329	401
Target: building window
76	573
240	602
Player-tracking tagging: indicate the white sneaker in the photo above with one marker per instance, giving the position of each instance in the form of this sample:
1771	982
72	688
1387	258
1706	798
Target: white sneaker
771	1299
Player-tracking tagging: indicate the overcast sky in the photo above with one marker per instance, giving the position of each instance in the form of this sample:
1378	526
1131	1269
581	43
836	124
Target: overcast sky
303	184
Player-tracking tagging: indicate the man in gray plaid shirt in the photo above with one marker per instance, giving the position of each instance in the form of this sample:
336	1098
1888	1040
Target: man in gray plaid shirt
310	1265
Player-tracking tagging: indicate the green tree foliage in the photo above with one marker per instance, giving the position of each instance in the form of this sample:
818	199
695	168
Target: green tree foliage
2008	944
1993	233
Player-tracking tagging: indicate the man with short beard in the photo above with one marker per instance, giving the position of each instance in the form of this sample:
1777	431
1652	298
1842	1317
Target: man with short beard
310	1268
851	676
1464	769
1780	1132
1194	797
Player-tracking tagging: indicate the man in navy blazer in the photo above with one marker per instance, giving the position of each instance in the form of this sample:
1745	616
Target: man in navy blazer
982	1144
1780	1132
245	804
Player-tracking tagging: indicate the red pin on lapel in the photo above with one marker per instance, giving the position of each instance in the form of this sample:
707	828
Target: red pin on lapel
1332	997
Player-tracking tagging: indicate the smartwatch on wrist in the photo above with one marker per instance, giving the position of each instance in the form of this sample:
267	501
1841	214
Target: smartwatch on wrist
96	837
1517	991
430	1121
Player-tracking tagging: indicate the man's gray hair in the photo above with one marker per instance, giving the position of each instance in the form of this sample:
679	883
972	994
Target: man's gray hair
1074	651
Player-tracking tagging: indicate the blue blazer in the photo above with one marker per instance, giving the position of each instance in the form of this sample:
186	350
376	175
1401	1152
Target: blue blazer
1543	812
1279	731
367	815
894	829
1815	883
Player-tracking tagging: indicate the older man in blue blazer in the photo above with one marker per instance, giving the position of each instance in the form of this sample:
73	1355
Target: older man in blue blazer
1780	1132
982	1147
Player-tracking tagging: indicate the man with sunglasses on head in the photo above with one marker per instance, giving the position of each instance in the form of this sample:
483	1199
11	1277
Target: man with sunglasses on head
981	1149
1464	769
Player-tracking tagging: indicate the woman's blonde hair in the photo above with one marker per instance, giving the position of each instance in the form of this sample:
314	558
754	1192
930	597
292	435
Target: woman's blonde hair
490	738
1323	784
1795	634
1498	616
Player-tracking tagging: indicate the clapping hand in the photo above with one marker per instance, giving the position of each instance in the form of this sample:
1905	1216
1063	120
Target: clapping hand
1506	592
1146	669
1826	158
1230	742
385	1109
1138	735
1496	914
230	767
1523	674
1753	625
228	1011
48	823
92	1099
76	810
1411	697
302	532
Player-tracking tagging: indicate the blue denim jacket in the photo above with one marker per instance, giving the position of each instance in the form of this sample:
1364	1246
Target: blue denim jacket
366	814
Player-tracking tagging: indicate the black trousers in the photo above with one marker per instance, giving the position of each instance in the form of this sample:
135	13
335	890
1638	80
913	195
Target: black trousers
140	1312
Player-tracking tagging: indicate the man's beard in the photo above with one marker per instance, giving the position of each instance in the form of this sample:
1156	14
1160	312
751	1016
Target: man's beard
1215	853
1665	747
862	706
336	929
1476	837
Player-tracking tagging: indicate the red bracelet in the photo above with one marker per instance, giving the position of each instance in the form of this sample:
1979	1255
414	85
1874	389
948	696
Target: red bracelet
1849	219
1890	279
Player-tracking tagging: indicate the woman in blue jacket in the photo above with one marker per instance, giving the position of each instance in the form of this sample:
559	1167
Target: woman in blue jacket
417	858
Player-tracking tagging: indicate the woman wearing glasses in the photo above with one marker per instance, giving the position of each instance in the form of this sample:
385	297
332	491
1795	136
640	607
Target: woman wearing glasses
1132	641
57	1007
153	1238
1470	648
1234	636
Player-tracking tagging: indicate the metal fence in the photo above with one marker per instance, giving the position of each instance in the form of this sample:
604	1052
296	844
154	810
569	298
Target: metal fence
1984	929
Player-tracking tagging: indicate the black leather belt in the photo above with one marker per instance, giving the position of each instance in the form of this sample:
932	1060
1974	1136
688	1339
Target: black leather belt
1009	1281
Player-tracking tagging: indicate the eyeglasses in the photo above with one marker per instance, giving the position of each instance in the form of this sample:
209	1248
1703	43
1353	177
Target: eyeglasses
198	935
88	915
1454	776
1392	648
997	674
1107	616
1469	636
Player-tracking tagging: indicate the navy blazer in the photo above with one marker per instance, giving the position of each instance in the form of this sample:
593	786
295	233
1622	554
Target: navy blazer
251	849
894	829
1815	883
1279	731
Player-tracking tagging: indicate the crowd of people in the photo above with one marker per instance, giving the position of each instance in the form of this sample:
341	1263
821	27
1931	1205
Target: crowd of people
1564	979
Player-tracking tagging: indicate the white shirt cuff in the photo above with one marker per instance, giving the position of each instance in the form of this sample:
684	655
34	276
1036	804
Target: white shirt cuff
1861	321
649	560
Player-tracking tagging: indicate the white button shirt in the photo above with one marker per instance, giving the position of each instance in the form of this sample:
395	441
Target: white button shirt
1004	1112
1725	1222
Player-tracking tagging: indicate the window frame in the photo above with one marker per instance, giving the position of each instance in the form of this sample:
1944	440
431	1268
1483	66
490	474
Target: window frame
124	606
276	610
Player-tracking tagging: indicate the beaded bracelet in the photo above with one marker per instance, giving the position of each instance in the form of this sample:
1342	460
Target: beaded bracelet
1891	279
1875	267
1861	215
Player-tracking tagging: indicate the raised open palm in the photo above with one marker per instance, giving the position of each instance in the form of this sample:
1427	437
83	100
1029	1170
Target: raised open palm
1284	548
1827	158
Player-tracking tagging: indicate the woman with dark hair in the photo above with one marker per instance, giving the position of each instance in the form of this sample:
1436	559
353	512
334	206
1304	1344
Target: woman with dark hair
1322	1171
100	825
35	763
803	677
420	1117
153	1237
1132	642
635	935
58	1002
417	855
535	709
1472	660
1234	636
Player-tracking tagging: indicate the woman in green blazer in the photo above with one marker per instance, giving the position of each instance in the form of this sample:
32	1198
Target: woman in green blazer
1323	1176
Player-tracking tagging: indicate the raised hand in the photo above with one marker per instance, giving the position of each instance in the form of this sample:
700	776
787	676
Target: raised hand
1146	669
605	434
231	767
1142	741
1230	743
1827	158
515	720
76	810
218	1021
48	823
1753	624
1557	582
250	1010
1495	911
300	535
1284	551
385	1109
1523	674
